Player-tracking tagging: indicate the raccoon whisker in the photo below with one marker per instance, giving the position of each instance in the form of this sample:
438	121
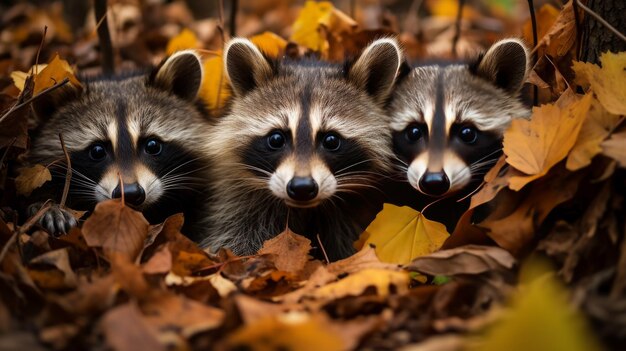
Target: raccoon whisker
74	172
488	162
349	187
182	165
401	160
488	155
353	165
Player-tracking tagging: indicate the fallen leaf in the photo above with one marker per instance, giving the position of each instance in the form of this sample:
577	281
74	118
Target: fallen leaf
31	178
186	39
595	129
269	43
535	146
540	316
124	329
116	228
615	148
366	258
291	331
215	89
47	75
607	82
52	270
290	250
545	17
470	259
355	284
561	36
401	234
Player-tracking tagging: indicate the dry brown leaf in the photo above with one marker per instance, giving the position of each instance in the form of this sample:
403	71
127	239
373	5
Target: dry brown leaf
561	36
116	228
470	259
535	146
597	127
31	178
290	250
52	270
355	284
366	258
124	329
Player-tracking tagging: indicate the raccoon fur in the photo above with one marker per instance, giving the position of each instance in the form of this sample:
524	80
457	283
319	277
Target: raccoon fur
302	148
447	123
146	132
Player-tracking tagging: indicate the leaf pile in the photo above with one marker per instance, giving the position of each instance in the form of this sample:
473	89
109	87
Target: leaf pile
118	282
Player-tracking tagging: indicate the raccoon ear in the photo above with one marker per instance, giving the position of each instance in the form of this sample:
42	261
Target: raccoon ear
377	67
45	105
245	65
505	64
180	74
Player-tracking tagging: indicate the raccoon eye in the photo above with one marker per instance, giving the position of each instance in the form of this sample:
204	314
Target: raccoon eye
331	142
276	140
468	135
97	152
153	147
413	133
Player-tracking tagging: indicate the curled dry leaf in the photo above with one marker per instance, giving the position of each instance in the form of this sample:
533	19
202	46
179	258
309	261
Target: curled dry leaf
290	250
615	148
31	178
116	228
401	233
355	284
470	259
55	71
52	270
607	82
535	146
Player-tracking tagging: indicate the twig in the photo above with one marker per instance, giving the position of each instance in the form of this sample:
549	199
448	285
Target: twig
23	229
319	240
33	98
104	37
601	20
533	21
43	39
220	27
457	27
68	174
6	152
121	188
577	26
234	4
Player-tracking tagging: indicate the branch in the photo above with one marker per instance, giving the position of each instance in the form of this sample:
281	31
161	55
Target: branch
104	37
533	21
601	20
457	27
33	98
234	4
68	174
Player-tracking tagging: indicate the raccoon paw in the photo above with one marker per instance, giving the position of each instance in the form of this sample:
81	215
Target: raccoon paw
56	221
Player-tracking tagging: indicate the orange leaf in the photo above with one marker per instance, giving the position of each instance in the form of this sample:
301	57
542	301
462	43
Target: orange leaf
269	43
116	228
291	251
186	39
535	146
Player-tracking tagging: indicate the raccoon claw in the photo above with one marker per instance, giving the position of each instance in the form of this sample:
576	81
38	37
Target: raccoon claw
56	220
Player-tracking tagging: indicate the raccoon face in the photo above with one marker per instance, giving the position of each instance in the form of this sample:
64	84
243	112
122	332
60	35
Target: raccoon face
306	131
137	138
448	121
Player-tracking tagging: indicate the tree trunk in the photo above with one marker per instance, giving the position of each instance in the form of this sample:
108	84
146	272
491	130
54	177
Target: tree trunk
596	38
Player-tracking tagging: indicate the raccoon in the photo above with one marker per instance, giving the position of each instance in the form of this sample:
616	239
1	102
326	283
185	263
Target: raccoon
302	148
447	122
140	135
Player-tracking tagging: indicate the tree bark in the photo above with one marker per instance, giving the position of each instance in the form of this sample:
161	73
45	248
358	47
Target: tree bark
596	38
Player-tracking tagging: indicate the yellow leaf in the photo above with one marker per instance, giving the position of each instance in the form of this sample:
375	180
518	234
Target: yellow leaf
545	17
607	82
615	148
450	8
292	331
316	20
19	77
56	70
535	146
401	234
186	39
355	284
215	89
541	319
31	178
269	43
595	129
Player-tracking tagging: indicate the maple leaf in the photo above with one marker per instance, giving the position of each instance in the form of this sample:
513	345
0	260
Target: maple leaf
31	178
290	251
116	228
541	317
596	128
401	234
535	146
607	82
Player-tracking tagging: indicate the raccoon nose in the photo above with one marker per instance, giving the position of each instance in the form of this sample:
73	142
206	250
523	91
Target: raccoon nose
302	188
133	194
434	183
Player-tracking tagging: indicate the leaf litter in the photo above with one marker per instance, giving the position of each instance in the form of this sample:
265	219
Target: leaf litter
557	193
